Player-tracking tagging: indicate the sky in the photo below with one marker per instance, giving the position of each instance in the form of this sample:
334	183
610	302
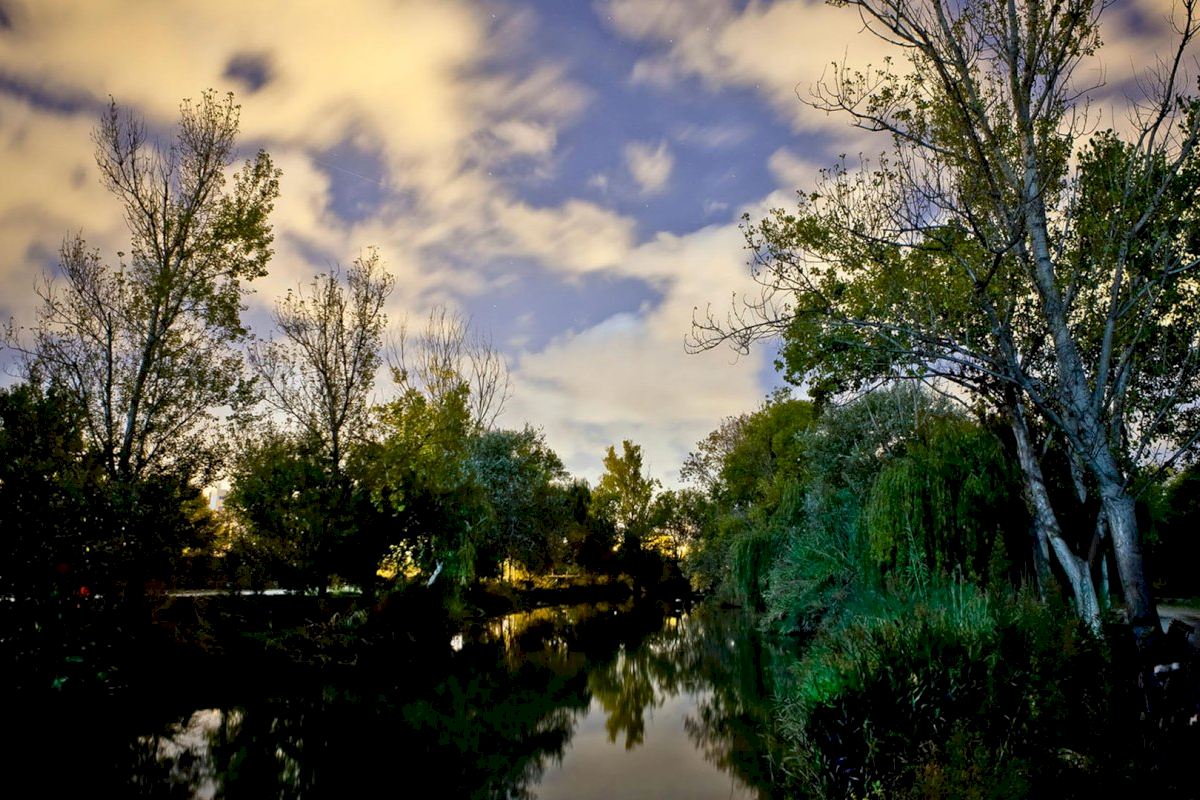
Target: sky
569	174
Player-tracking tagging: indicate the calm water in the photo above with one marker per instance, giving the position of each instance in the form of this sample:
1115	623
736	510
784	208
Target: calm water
576	702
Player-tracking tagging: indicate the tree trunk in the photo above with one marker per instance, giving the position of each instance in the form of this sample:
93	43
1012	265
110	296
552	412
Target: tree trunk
1127	547
1085	431
1048	532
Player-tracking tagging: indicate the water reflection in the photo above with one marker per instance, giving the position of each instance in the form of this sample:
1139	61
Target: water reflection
569	702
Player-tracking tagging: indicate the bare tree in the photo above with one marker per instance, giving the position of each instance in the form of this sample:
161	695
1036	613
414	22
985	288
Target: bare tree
146	346
321	371
447	354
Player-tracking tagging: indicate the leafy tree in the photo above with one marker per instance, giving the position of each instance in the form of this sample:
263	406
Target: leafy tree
47	485
757	463
290	522
679	516
421	473
520	475
624	494
1175	549
766	456
702	467
68	526
144	347
590	539
958	255
946	504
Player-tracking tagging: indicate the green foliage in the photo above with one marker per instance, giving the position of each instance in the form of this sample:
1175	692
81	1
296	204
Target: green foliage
750	557
679	517
1174	546
766	457
420	472
950	692
71	529
521	477
624	494
145	346
942	506
590	539
47	485
292	513
754	464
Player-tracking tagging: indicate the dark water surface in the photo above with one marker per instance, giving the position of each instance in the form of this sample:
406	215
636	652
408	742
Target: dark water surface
575	702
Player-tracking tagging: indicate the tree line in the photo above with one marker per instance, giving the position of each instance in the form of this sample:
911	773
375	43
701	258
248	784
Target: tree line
143	386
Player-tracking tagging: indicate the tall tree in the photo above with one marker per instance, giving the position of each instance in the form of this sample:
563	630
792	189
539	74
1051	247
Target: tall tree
320	373
420	472
144	347
624	495
983	195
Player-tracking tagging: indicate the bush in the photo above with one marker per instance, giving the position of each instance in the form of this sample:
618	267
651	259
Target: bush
955	693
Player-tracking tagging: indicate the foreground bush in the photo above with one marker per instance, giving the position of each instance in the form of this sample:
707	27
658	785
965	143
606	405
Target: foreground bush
953	693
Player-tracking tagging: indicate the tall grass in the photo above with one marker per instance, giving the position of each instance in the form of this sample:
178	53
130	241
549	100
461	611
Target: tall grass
951	691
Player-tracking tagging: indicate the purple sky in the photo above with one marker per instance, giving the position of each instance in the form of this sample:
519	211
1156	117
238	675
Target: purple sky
570	174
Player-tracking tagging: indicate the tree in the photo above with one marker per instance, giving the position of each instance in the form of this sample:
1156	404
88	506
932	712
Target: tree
291	524
975	250
679	517
145	346
522	478
321	372
420	473
624	494
448	353
47	481
752	466
702	467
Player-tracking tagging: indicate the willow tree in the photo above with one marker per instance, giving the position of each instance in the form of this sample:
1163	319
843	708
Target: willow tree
145	344
979	250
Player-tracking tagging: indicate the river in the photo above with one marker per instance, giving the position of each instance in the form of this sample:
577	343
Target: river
596	701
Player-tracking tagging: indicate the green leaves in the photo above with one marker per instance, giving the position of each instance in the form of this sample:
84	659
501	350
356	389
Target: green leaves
624	493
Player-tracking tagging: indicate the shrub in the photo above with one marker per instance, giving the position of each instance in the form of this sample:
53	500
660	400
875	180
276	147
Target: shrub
956	693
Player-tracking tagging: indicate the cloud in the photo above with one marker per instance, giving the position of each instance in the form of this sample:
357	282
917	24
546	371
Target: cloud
431	89
524	138
793	171
782	49
432	92
715	136
712	207
775	49
629	377
576	237
650	166
50	189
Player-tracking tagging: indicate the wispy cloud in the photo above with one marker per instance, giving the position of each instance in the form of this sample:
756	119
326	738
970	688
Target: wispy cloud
650	165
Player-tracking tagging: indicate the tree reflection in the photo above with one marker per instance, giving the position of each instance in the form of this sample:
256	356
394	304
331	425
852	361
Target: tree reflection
488	718
626	690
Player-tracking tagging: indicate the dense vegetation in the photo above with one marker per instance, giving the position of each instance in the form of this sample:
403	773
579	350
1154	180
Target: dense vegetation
891	536
975	564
